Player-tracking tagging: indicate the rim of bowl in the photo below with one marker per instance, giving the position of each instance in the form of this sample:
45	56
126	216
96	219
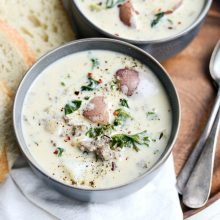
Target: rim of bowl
160	161
202	15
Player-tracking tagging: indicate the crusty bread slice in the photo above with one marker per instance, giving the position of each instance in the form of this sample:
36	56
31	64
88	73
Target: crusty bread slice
8	148
15	55
3	164
42	23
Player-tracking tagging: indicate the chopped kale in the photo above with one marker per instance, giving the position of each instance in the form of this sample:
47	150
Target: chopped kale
60	151
157	18
121	117
72	106
112	3
98	131
92	85
124	102
125	140
113	84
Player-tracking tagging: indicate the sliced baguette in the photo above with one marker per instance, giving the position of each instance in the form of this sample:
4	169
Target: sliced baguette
15	55
8	146
43	23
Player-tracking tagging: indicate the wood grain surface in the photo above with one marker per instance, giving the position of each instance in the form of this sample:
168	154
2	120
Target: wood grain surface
190	73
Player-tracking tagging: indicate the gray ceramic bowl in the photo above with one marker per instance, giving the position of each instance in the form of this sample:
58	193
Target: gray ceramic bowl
95	195
160	49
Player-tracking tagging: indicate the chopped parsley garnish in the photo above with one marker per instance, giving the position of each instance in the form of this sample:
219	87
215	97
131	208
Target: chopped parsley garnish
112	3
60	151
121	116
95	62
157	18
98	131
92	85
124	102
113	84
72	106
125	140
152	116
86	97
62	84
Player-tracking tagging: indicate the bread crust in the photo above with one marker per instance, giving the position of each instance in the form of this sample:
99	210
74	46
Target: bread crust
17	40
3	164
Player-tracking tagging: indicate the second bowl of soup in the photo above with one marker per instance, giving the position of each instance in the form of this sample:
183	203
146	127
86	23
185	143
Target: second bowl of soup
160	27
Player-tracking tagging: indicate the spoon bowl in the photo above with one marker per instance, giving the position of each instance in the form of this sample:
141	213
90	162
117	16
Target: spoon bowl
214	65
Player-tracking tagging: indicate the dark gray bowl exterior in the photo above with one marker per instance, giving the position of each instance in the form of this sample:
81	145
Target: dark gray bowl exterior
160	49
90	44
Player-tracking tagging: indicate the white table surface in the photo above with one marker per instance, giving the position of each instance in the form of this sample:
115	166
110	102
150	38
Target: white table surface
210	213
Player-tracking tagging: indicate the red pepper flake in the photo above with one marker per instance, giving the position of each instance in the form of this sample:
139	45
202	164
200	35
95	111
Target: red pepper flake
90	75
56	152
67	138
100	81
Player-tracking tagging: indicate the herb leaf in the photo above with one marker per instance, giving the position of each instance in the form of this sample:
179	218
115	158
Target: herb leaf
92	85
113	84
125	140
157	18
112	3
72	106
124	103
95	62
60	151
121	116
98	131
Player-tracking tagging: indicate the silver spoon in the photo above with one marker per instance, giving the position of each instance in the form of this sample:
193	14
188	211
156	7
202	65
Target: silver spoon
190	163
198	187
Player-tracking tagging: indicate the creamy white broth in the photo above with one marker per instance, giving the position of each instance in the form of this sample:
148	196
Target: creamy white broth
59	84
170	24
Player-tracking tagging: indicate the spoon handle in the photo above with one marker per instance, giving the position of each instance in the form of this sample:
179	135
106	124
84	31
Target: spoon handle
191	161
197	190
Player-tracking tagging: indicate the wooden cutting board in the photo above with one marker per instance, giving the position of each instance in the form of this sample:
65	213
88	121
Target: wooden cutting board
190	73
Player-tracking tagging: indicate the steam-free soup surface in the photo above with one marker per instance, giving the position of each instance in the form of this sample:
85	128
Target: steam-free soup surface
96	119
141	19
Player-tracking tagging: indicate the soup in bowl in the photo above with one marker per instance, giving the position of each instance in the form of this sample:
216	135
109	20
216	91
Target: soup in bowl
141	20
162	28
96	116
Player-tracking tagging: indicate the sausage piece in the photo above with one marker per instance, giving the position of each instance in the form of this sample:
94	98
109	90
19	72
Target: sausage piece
127	80
97	110
127	14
